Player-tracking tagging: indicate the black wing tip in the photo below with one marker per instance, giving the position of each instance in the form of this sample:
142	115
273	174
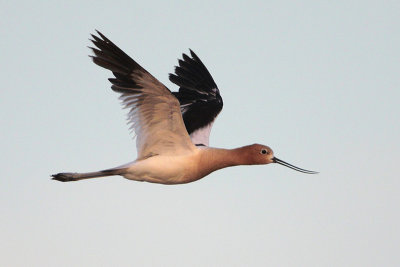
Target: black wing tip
99	38
100	34
193	74
171	76
190	52
109	56
194	56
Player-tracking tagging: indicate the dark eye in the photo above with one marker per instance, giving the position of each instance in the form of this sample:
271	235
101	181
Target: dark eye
263	151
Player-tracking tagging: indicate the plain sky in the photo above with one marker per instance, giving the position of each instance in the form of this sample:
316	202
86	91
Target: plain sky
318	81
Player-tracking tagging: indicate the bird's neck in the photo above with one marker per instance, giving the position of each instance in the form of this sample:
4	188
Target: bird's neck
213	159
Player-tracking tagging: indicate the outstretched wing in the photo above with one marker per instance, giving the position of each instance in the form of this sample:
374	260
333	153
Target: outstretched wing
154	113
198	96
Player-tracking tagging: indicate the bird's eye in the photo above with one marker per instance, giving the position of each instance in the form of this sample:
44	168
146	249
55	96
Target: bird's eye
263	151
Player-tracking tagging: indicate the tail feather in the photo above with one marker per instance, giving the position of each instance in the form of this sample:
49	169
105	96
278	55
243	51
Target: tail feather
71	176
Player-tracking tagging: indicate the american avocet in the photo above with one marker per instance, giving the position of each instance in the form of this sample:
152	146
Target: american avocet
172	128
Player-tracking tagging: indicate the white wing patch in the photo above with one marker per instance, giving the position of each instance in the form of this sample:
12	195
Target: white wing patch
202	135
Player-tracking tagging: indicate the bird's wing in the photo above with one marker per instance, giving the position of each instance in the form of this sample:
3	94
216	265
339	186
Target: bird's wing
198	96
154	113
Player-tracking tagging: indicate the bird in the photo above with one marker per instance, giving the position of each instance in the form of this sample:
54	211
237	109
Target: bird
172	129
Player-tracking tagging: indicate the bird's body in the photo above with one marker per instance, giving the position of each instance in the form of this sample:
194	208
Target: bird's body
165	169
172	128
176	169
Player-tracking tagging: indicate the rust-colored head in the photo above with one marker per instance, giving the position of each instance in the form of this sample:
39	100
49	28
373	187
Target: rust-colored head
261	154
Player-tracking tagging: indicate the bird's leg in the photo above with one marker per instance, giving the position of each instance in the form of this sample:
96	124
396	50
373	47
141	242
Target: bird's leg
70	176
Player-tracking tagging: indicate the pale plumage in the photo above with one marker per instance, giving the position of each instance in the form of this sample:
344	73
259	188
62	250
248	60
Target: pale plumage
172	128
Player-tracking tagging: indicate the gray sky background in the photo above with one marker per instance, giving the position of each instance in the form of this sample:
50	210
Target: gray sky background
318	81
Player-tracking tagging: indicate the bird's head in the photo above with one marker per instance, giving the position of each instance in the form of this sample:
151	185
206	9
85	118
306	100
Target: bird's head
261	154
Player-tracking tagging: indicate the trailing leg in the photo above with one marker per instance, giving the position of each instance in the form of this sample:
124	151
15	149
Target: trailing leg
70	176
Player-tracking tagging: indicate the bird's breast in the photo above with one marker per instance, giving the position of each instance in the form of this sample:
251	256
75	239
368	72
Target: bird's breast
165	169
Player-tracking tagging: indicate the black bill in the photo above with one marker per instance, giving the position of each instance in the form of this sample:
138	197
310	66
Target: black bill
279	161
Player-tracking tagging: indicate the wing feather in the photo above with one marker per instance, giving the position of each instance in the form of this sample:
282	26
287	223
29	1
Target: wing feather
199	97
153	112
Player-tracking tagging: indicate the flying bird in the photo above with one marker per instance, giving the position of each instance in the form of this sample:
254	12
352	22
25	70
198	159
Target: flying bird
172	128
